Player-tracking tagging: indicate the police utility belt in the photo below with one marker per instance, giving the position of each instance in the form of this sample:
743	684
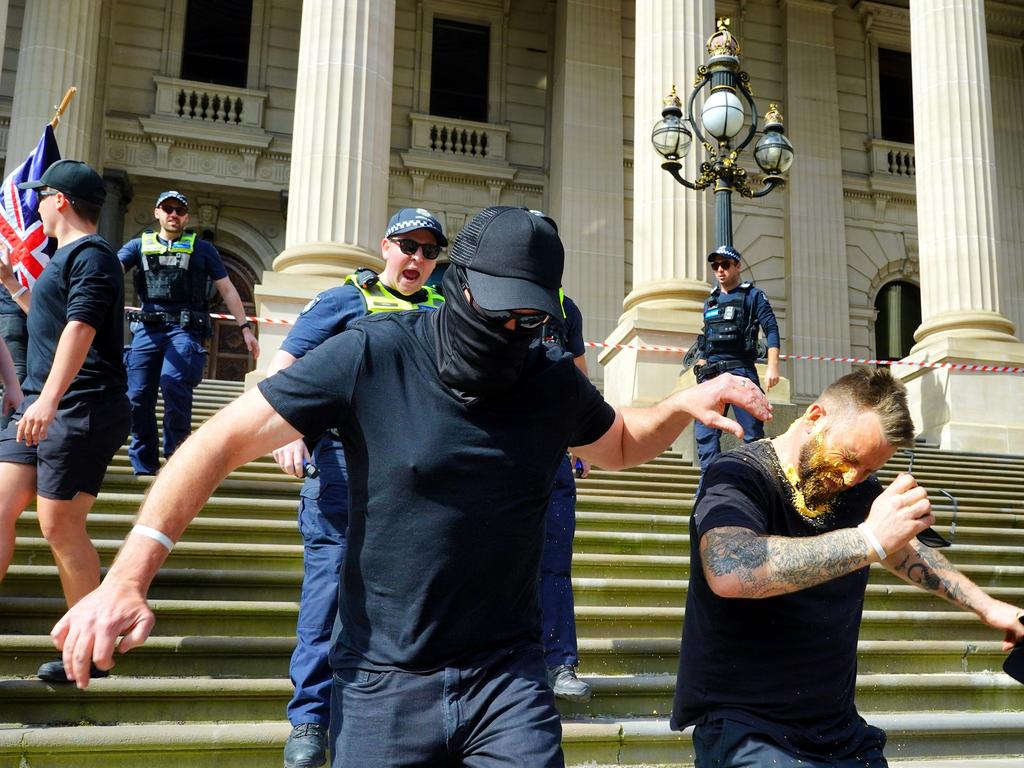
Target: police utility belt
188	319
709	371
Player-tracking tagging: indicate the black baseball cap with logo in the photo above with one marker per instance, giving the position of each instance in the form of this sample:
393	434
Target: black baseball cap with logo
74	178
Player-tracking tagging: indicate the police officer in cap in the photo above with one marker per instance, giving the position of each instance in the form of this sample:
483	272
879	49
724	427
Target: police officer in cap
172	269
733	313
412	242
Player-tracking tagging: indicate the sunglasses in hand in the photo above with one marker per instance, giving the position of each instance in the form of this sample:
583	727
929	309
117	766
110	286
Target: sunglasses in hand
929	536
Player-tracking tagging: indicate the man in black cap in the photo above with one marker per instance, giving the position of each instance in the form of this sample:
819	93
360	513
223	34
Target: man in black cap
439	659
75	413
733	313
172	270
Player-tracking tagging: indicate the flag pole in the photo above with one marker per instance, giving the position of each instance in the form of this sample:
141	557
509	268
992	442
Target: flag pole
68	96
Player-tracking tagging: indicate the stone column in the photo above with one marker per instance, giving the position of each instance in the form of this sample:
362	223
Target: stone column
587	197
119	196
671	225
59	48
337	194
819	302
958	200
1006	56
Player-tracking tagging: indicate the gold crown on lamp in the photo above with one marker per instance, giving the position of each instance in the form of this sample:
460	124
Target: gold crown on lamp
672	100
721	42
773	116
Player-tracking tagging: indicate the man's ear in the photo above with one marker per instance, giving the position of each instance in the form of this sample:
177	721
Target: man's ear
813	414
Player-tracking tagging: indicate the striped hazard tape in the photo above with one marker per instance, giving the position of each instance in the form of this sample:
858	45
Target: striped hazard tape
682	350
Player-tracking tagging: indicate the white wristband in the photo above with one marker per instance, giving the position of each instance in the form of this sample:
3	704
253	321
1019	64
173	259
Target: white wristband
871	539
20	291
154	534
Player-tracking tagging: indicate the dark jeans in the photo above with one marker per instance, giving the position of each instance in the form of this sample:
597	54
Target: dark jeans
709	440
323	518
726	743
497	713
558	619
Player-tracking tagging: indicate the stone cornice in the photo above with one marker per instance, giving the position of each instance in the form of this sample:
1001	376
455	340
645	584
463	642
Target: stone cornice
1004	20
884	17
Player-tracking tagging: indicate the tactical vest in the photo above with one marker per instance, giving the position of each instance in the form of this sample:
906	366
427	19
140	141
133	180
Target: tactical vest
167	274
378	298
728	324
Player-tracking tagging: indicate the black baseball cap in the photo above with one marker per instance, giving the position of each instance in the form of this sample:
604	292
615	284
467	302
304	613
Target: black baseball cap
171	194
513	260
726	251
74	178
410	219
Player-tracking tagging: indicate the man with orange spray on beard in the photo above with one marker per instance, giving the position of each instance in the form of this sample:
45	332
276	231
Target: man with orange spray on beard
781	537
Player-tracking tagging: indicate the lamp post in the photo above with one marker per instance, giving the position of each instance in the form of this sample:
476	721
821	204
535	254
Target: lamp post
721	118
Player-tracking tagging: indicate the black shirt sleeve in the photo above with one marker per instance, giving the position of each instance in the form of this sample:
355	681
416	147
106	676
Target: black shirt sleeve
94	276
595	415
314	394
732	495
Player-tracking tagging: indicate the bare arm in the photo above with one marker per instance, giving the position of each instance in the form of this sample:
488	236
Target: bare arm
10	282
72	347
234	304
639	434
738	562
244	430
931	571
12	387
772	374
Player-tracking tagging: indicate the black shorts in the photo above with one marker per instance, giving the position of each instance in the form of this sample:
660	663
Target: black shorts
78	446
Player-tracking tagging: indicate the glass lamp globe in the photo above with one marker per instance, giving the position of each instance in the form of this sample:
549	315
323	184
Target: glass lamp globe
670	137
774	152
722	115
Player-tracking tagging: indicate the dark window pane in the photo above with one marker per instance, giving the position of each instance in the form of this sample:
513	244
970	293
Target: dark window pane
216	46
899	315
458	70
896	94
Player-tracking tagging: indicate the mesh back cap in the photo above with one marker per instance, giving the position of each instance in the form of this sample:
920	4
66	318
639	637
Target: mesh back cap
513	260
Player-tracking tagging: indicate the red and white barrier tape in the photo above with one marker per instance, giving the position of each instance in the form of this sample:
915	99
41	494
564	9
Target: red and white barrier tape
682	350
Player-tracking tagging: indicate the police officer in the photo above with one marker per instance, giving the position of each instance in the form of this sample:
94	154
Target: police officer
732	315
558	618
411	245
172	268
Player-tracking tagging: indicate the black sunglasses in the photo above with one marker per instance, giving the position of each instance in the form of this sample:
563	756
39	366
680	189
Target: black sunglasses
502	316
409	246
47	193
929	536
178	209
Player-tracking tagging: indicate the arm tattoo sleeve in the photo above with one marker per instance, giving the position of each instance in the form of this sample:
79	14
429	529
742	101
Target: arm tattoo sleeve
764	566
931	571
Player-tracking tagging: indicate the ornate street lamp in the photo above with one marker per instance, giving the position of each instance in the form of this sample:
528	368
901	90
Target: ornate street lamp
722	118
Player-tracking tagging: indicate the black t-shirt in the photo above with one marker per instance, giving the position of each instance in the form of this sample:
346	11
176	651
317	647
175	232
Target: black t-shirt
83	282
786	665
447	499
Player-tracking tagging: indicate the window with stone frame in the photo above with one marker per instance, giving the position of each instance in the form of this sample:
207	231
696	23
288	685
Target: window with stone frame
895	95
216	42
459	70
899	314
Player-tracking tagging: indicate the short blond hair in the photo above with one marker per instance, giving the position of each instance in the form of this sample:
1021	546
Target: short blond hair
879	391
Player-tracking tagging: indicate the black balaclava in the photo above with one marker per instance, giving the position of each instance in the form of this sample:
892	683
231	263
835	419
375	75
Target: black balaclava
476	357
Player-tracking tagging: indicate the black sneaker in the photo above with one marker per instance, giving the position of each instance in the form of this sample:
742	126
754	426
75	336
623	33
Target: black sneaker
567	686
53	672
306	746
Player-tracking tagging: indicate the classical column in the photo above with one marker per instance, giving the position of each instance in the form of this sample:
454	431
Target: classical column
587	196
119	195
958	200
819	302
337	193
1006	57
671	224
60	44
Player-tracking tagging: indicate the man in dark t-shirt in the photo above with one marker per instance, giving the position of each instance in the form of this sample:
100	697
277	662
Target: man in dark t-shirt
781	537
438	660
75	412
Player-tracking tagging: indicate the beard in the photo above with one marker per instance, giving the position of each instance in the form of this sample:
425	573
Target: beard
819	480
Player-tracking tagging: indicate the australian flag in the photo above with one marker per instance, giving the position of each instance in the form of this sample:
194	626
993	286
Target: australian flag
20	228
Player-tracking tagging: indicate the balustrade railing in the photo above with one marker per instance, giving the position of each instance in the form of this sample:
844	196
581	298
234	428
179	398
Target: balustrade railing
459	139
209	103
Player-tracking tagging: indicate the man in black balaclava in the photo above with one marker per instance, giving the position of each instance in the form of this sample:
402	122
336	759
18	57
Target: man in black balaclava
439	658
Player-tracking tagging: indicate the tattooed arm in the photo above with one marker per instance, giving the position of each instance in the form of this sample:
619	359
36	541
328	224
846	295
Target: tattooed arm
931	571
739	562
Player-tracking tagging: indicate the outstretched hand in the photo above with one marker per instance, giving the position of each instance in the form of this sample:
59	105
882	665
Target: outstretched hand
88	633
708	401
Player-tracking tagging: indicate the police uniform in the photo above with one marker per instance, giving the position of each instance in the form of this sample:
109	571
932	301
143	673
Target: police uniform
172	280
323	507
729	343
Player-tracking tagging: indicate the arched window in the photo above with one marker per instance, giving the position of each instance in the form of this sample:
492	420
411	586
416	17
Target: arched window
229	358
899	314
